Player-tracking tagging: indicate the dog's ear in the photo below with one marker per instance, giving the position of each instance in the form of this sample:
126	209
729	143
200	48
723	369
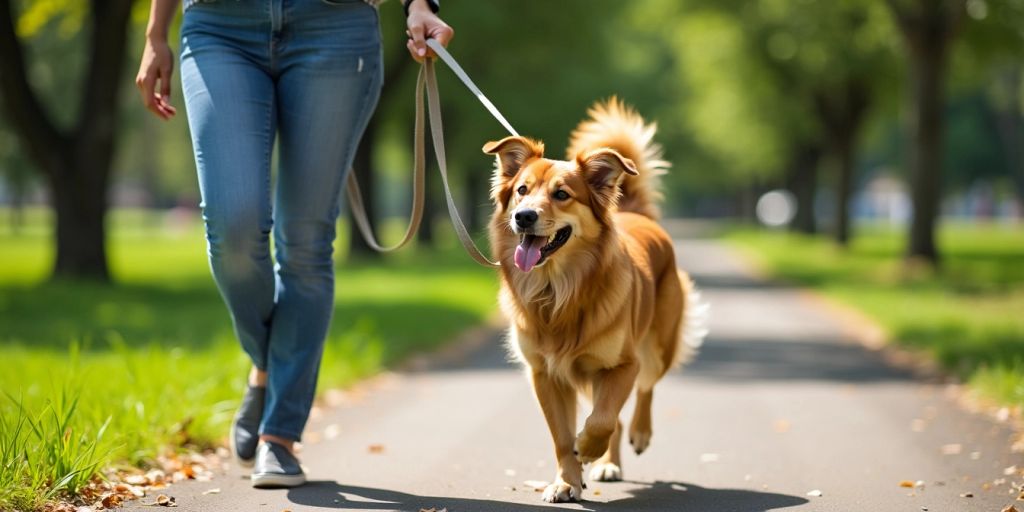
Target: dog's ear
512	153
604	168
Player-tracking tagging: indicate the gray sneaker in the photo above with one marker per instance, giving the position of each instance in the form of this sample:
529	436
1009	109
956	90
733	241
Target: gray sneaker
244	435
276	467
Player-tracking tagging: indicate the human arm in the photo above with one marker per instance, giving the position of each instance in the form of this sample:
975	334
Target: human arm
157	63
424	24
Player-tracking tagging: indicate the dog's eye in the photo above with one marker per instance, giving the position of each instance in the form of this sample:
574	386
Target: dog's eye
561	195
521	190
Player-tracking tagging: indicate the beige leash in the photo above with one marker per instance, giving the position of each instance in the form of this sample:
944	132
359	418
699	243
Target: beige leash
427	81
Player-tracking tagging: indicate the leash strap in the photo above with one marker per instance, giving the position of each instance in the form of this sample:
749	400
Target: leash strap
457	69
427	80
355	196
437	132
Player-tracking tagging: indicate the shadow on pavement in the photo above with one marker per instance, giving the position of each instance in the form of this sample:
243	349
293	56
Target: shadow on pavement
740	360
657	496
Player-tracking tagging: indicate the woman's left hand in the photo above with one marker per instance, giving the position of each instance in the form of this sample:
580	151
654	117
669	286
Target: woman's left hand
423	24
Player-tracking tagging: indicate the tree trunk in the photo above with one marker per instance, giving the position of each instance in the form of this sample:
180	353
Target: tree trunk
803	182
927	77
844	186
76	162
928	28
432	198
80	203
363	167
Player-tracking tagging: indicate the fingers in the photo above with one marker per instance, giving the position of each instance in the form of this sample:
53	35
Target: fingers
443	33
417	45
158	104
165	82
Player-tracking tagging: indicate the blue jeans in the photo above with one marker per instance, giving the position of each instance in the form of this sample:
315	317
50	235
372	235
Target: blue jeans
309	73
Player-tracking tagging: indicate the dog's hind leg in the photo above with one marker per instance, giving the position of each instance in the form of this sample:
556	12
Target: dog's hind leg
609	467
640	428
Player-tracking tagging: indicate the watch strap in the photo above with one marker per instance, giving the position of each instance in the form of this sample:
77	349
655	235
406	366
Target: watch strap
435	6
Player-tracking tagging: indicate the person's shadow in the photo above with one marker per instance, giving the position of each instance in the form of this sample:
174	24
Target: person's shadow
657	496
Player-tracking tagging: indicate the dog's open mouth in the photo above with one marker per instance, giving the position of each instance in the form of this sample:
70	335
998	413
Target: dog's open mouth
534	249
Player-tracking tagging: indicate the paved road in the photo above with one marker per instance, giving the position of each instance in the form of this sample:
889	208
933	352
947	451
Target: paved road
780	403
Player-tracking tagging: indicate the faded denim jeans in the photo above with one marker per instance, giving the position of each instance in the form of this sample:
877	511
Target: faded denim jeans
308	73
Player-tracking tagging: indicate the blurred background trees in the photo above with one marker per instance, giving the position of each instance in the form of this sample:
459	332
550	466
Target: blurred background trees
901	111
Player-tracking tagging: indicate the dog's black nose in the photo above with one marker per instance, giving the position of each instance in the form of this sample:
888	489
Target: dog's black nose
526	218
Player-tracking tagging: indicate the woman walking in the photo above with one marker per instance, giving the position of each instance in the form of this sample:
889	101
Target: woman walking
307	73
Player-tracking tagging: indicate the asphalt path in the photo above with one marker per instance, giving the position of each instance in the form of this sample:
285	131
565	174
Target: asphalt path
782	410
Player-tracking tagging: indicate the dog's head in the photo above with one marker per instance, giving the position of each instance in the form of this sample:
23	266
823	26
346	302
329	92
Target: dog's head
553	207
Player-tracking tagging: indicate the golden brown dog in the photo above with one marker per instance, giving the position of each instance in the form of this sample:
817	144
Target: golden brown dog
590	284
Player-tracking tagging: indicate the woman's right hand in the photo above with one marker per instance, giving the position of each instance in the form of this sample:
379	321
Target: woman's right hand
155	70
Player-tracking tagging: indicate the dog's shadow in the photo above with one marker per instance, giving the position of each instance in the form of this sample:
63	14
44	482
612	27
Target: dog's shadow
656	496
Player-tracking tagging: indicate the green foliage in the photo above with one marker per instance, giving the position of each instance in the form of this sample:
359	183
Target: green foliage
42	453
154	358
967	317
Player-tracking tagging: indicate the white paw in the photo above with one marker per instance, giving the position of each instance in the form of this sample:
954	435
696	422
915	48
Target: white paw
639	441
561	492
606	472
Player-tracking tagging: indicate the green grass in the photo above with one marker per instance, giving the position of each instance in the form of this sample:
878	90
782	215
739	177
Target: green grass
969	316
154	359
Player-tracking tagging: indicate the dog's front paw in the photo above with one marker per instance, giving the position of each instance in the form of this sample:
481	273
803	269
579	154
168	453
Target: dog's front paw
590	446
639	439
561	492
606	472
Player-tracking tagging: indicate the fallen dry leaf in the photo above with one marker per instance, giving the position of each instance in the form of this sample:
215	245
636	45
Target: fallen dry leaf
967	495
906	483
164	500
1010	470
815	493
597	492
215	490
137	480
1009	508
376	449
111	500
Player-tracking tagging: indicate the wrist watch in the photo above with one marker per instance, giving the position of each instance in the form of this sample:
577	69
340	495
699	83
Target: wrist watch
435	5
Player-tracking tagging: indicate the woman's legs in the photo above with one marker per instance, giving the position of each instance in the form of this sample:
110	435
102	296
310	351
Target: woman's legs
232	116
312	72
328	82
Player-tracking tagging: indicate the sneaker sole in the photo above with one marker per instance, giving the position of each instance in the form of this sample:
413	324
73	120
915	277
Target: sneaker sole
275	480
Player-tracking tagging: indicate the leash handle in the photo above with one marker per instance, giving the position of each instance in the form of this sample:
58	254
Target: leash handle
427	80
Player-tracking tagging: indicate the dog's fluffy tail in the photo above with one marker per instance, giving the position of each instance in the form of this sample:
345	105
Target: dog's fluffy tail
695	322
615	125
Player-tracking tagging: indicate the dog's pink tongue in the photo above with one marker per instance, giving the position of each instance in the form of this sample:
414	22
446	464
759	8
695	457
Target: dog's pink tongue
528	252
